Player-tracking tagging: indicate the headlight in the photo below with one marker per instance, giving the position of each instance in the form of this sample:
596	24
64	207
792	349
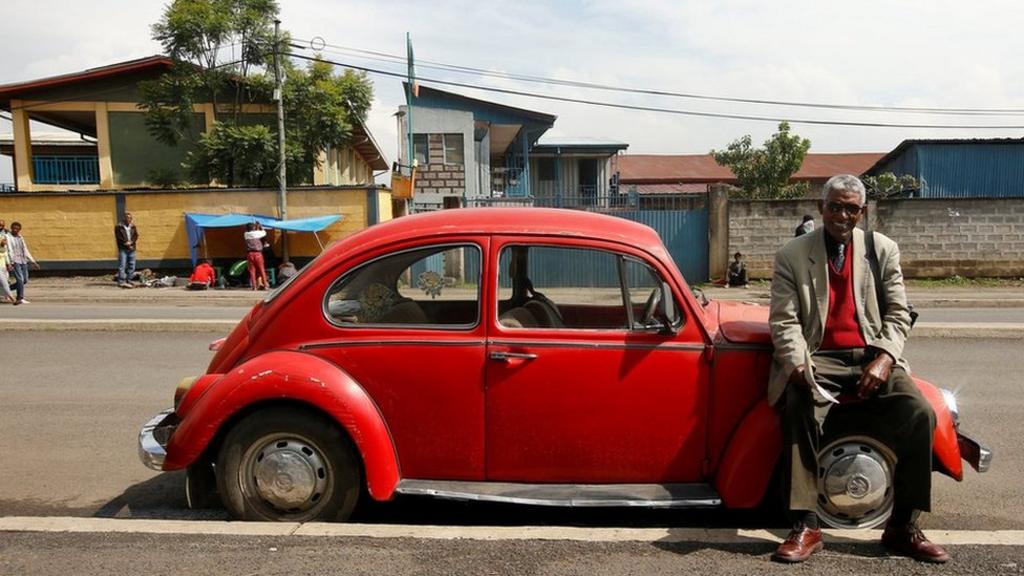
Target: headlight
950	399
182	389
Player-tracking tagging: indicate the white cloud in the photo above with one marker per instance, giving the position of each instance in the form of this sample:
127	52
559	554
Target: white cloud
913	53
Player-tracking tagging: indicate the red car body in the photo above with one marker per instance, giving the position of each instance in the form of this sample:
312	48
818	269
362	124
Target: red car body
483	402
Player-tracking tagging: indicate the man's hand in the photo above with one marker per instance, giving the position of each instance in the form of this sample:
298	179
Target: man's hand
798	378
875	375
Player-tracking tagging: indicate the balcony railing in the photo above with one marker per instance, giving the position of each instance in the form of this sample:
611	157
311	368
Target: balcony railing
66	169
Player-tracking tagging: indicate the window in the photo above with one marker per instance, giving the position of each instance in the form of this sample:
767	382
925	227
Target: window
435	286
552	287
453	149
546	169
643	285
420	149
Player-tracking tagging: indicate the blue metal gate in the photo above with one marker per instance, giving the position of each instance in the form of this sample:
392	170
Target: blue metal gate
681	221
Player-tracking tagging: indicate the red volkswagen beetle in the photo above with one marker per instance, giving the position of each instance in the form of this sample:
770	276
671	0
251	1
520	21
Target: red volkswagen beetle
543	357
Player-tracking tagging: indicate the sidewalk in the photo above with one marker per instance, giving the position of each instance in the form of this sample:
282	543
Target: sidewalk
920	297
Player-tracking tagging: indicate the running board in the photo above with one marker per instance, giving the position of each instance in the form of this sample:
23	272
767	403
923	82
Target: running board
574	495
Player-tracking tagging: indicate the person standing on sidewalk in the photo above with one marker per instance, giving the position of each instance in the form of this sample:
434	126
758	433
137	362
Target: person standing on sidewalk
254	235
20	259
5	269
838	365
126	235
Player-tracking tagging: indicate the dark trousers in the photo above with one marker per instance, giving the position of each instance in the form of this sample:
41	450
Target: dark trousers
898	415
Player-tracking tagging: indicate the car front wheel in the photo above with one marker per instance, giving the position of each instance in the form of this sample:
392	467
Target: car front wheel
288	465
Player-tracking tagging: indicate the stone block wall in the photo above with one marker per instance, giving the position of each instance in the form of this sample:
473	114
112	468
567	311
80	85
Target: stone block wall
758	228
437	177
965	237
937	238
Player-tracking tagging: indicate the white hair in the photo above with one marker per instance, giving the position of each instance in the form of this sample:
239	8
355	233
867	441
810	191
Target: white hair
847	183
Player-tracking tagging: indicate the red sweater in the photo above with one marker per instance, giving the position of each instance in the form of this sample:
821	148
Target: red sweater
203	273
842	331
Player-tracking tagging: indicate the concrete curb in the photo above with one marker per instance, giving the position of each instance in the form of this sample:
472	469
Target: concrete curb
484	533
1002	330
126	325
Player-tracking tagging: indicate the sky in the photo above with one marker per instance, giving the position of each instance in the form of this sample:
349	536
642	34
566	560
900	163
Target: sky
933	53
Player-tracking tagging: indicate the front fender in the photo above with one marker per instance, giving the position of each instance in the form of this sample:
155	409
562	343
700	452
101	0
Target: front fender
297	377
748	462
945	448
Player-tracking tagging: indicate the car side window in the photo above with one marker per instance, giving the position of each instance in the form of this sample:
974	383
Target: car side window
643	284
560	288
434	286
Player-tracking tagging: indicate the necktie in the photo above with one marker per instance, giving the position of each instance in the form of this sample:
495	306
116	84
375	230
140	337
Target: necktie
840	257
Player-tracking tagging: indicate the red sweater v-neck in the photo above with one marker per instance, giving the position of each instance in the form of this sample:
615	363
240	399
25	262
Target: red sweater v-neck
842	331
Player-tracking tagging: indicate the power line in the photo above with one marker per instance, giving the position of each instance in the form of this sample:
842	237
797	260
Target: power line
395	58
677	111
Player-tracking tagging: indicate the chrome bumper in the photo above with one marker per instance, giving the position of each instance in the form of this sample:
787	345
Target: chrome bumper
153	439
978	456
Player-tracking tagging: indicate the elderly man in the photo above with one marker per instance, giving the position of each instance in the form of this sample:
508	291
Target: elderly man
835	341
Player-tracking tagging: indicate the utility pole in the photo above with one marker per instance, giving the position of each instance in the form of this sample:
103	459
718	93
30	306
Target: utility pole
282	190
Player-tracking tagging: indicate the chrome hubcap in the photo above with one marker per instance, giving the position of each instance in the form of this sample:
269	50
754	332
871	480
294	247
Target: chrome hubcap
289	473
855	483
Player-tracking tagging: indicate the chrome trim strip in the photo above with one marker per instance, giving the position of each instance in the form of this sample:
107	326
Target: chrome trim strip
151	452
447	490
974	453
730	347
357	343
598	345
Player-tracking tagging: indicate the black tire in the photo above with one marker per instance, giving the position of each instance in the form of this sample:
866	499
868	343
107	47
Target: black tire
288	465
201	486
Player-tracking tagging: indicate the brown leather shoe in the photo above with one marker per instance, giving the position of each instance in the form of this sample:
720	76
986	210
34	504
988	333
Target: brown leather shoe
799	545
908	540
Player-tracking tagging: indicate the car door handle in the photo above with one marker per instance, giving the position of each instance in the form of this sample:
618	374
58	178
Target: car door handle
508	356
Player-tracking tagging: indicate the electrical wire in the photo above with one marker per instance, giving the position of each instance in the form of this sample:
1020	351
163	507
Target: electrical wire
398	59
676	111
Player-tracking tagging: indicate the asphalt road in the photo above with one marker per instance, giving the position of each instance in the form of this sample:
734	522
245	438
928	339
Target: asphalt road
72	404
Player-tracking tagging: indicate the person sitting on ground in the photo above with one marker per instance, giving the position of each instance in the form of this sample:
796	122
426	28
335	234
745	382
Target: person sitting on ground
286	271
737	272
202	277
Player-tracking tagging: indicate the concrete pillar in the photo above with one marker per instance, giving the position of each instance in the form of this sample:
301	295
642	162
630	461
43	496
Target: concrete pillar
320	170
718	231
103	147
22	147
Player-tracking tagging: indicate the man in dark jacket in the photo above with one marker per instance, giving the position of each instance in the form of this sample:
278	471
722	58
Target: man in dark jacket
127	237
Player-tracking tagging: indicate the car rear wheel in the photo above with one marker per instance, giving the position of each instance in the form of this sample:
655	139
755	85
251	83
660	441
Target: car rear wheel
289	465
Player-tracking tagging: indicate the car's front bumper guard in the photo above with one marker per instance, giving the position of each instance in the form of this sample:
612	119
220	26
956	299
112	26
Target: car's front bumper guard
153	439
973	452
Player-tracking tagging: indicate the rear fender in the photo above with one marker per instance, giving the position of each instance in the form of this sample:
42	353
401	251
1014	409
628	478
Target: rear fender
292	377
945	449
749	459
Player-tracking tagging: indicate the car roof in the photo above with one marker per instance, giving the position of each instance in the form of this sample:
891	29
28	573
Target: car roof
504	221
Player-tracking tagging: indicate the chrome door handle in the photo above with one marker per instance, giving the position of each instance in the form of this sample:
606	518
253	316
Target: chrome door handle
507	356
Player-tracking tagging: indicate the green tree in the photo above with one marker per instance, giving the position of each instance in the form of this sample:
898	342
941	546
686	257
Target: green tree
763	173
889	185
222	51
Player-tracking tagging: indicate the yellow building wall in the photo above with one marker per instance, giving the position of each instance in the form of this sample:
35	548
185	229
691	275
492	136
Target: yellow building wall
81	228
64	228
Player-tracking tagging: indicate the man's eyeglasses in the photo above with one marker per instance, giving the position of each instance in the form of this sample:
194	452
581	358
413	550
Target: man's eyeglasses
850	209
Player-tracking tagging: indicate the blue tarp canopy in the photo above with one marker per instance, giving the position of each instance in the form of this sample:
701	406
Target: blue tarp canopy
196	222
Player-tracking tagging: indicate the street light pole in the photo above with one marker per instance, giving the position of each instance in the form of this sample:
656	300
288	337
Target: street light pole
282	191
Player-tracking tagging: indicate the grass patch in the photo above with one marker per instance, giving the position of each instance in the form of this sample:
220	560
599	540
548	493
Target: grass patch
962	282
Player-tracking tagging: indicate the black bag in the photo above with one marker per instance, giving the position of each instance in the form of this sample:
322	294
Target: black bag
869	244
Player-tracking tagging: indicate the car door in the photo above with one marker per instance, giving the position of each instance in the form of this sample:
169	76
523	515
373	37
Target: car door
407	326
576	391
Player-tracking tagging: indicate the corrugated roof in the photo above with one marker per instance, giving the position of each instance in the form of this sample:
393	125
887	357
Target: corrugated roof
673	188
908	143
653	168
10	91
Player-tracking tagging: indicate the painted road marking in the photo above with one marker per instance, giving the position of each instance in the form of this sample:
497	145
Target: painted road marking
699	535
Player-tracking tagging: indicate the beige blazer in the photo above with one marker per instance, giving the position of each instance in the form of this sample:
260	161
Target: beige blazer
799	303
